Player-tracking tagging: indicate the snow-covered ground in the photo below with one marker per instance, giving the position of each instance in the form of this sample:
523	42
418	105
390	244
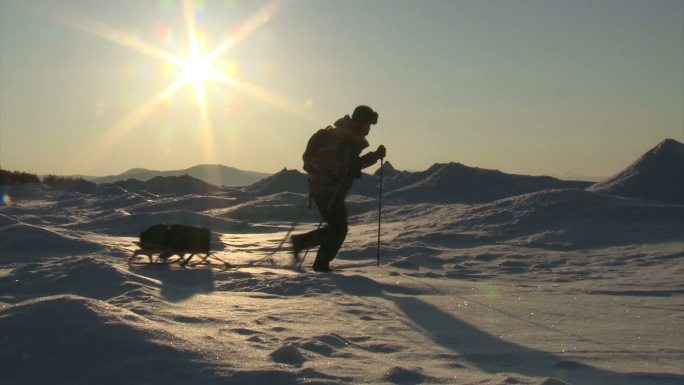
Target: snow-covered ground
552	287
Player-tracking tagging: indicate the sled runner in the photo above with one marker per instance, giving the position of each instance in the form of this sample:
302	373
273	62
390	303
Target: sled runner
174	244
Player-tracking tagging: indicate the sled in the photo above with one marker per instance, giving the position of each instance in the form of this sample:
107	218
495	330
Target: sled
169	244
173	244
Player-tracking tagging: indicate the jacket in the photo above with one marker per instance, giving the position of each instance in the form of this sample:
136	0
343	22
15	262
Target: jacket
335	163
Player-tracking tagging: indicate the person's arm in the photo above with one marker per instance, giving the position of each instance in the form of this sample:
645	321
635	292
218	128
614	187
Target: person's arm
372	157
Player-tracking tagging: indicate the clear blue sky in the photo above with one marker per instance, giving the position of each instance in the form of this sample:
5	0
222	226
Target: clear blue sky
525	86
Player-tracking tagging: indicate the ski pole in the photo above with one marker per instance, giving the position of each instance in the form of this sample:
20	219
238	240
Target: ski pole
382	164
298	219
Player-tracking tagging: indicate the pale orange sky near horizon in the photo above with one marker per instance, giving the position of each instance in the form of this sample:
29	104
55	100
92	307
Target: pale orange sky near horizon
535	87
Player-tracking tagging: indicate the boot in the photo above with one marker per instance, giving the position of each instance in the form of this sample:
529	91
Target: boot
298	245
322	267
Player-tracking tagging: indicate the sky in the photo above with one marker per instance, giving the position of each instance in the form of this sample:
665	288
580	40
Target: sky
538	87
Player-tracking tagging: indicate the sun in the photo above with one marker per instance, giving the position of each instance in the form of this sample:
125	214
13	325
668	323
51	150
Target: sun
197	69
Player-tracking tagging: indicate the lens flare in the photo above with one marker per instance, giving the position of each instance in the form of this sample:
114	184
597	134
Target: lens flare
165	34
5	199
491	291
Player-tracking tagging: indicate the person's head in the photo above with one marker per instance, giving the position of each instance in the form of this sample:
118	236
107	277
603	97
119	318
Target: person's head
362	118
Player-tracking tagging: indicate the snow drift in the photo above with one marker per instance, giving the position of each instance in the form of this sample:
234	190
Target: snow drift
568	218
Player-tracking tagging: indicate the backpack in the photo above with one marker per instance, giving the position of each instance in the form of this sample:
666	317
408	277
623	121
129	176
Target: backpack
315	149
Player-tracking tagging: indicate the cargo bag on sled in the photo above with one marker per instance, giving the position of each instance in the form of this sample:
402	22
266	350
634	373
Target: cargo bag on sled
169	240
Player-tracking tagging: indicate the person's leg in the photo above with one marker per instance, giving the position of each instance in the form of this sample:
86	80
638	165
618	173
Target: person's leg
312	238
331	236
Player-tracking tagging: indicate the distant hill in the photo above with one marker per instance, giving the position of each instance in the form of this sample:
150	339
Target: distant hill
214	174
180	185
656	175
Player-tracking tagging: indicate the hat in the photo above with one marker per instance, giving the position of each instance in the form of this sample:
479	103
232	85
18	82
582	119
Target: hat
365	114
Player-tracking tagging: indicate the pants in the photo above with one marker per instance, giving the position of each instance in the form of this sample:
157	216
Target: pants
331	236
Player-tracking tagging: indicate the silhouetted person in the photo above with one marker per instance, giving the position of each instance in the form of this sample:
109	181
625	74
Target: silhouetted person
333	159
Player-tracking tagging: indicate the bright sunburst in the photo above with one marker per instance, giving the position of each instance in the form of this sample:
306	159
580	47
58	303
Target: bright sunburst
197	68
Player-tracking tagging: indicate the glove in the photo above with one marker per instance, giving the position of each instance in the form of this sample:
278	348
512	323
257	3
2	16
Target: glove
381	152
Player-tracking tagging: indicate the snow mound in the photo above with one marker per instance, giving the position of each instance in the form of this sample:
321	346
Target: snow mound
184	184
289	355
283	181
656	175
173	185
76	185
401	375
22	241
70	338
457	183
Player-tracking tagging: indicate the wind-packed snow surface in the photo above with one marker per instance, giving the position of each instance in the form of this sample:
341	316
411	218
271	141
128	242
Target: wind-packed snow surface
560	286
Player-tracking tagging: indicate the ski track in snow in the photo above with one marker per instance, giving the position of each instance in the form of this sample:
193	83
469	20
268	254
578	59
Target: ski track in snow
553	287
